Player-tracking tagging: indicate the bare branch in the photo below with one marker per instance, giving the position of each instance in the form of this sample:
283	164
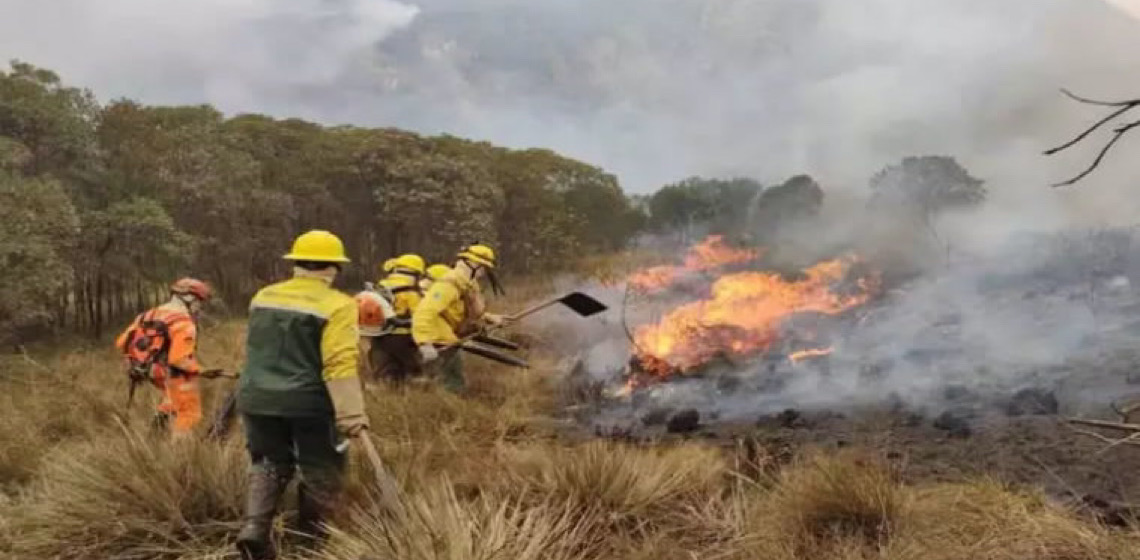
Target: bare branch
1117	135
1133	439
1089	130
1122	108
1125	413
1075	97
1119	426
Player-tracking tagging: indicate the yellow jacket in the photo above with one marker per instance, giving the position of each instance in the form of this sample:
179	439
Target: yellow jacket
406	296
450	307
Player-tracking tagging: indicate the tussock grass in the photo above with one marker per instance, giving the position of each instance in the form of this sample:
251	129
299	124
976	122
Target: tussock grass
620	481
833	497
988	520
440	525
130	496
483	477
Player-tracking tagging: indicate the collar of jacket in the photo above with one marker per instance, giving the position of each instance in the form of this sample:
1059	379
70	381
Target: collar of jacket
176	304
327	275
458	279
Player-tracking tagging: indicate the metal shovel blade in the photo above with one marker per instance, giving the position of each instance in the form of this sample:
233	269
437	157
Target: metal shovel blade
583	304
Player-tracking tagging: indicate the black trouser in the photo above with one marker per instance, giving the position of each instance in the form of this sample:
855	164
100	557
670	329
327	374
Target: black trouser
397	356
280	444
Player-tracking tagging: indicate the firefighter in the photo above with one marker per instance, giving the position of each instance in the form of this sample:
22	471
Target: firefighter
161	347
434	272
451	309
374	316
394	356
299	389
386	269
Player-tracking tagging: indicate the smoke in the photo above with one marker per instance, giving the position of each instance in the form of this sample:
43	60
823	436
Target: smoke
653	90
286	58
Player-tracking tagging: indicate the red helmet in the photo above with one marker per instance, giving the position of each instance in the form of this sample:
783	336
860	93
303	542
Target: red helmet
192	286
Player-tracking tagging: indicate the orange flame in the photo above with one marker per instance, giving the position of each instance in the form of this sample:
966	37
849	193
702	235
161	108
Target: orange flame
742	316
707	255
797	357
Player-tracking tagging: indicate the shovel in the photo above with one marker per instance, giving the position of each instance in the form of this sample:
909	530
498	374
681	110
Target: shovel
496	342
389	492
496	355
224	417
578	302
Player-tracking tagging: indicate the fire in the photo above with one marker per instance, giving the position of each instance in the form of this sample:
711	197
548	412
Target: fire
742	316
709	254
797	357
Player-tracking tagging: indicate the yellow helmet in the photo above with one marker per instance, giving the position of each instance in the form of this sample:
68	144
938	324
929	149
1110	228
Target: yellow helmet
411	263
437	271
317	246
478	254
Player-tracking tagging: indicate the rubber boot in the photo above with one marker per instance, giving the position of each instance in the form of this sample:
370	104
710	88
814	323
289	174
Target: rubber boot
255	540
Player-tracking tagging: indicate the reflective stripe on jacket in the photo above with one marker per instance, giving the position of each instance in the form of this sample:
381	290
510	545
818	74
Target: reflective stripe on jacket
302	334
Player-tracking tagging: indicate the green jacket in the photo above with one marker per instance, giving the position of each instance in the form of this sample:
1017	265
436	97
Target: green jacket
302	336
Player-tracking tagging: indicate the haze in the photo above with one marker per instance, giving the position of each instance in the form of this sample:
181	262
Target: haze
653	90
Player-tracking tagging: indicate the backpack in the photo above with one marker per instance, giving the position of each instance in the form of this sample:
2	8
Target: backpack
147	345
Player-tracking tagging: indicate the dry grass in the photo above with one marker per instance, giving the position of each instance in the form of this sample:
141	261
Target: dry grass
485	477
126	496
621	482
835	498
987	520
438	524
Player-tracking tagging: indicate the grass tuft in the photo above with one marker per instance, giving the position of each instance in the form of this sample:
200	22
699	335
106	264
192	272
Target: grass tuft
129	496
439	525
837	498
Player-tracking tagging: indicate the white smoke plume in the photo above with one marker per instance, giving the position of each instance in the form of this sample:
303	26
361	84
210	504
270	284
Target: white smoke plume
285	57
653	90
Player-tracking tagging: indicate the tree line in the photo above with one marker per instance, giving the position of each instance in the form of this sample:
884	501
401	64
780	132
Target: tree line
101	205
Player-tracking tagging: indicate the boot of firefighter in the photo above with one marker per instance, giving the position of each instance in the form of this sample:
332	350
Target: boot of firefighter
316	501
255	540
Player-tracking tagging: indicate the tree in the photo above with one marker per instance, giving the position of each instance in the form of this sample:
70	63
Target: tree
38	227
920	188
927	185
149	193
56	123
720	204
795	199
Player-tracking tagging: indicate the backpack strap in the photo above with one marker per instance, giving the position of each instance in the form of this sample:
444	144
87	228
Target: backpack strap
409	288
148	324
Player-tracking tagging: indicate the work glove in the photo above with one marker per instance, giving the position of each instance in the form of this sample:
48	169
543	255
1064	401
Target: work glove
348	403
493	319
428	353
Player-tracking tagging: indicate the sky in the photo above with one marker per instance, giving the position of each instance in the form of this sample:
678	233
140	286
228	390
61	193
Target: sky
652	90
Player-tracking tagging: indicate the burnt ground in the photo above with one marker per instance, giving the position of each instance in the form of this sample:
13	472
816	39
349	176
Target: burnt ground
1037	451
963	373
